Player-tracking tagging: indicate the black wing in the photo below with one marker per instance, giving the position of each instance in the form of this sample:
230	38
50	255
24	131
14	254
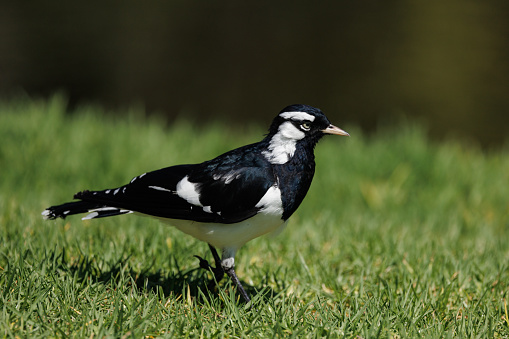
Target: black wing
224	190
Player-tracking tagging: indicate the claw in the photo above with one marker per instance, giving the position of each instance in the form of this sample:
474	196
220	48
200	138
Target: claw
217	271
204	263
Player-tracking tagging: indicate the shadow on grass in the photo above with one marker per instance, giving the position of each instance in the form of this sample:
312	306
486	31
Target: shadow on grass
179	283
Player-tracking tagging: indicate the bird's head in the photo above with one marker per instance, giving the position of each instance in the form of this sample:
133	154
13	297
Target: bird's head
303	121
295	124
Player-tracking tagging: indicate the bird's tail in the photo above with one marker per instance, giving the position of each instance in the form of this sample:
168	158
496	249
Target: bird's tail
95	210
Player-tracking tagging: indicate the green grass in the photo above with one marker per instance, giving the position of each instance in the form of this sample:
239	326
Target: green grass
398	237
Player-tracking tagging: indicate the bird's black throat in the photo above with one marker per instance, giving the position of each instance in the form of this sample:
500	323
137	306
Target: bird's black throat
295	177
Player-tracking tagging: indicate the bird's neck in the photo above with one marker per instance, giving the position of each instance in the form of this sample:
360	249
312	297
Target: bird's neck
281	149
295	178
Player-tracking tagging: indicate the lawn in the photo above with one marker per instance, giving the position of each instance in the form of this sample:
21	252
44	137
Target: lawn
399	236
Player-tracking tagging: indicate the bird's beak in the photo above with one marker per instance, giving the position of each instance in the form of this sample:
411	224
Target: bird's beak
334	130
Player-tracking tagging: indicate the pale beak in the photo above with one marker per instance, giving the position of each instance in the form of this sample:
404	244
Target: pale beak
334	130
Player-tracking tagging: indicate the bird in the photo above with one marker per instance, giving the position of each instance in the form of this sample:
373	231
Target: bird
228	200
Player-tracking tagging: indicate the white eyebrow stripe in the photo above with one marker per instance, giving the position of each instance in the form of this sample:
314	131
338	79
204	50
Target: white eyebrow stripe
301	116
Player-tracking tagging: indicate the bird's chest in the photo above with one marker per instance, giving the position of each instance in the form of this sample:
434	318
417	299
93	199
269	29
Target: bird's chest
294	180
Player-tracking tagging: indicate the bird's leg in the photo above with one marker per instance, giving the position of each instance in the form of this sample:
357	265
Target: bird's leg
231	273
224	266
228	264
218	270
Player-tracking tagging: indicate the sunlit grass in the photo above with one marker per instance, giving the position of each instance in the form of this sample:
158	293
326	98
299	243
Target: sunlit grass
398	236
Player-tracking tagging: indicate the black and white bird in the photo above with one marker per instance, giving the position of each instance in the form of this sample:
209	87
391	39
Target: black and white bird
226	201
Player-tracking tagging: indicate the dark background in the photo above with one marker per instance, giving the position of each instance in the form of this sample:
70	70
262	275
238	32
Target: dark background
442	62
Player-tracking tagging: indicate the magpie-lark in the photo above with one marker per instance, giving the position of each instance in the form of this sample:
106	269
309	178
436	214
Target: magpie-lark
226	201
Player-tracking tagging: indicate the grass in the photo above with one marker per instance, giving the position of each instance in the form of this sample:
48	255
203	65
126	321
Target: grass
398	237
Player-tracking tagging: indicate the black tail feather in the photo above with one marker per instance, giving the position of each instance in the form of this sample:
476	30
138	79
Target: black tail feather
89	204
70	208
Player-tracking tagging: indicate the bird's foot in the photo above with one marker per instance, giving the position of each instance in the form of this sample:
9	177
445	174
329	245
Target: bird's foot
217	271
203	263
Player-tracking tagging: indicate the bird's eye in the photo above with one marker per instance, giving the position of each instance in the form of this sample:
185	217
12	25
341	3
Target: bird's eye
306	126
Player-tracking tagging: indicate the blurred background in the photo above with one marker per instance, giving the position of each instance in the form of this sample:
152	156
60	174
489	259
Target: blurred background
443	63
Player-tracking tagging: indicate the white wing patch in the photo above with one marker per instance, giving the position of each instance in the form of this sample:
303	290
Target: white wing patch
188	191
158	188
271	202
283	143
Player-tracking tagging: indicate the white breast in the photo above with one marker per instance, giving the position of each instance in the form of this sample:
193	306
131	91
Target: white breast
235	235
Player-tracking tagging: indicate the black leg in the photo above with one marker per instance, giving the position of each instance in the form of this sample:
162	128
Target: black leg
233	277
218	270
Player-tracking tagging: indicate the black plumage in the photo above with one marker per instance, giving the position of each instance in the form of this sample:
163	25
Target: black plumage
228	200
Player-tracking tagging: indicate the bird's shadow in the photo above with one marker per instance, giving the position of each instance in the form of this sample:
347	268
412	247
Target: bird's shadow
197	282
